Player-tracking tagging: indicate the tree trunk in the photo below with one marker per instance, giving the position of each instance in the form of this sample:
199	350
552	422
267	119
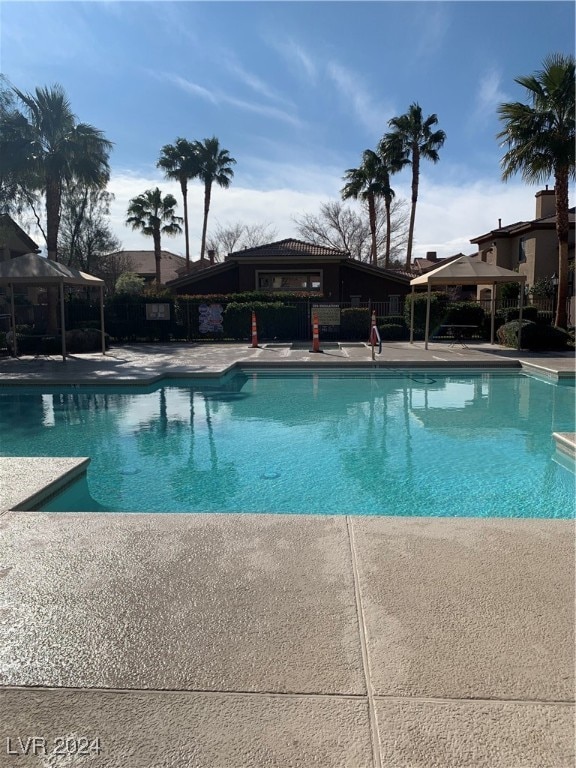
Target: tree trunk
186	234
207	195
415	176
372	218
388	233
157	255
562	229
53	201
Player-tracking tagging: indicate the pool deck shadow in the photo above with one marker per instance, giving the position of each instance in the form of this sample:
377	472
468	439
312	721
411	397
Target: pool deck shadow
249	641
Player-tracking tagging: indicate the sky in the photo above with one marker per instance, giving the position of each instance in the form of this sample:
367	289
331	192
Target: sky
295	91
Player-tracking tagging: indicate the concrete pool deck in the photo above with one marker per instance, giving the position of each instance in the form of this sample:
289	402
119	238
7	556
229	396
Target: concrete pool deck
241	641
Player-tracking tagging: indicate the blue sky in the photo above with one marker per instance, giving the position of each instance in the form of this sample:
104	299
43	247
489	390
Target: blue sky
295	91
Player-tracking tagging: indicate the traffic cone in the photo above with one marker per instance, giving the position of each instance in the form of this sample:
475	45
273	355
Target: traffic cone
254	331
315	334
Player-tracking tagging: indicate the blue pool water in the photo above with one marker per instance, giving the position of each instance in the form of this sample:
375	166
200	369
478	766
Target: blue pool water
383	443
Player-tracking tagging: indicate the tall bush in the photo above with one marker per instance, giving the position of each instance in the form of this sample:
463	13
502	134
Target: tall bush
438	310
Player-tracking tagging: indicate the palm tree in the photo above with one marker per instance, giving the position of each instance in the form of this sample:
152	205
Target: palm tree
410	140
154	216
214	166
180	162
540	140
45	146
369	182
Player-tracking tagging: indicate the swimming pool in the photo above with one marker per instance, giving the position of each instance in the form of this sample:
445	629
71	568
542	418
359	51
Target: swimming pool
380	442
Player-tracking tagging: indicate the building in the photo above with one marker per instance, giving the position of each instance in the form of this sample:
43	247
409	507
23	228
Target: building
292	266
529	247
143	264
13	240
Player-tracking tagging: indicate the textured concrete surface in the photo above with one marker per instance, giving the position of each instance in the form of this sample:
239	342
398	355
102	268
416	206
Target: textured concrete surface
25	481
147	362
184	602
468	608
176	730
475	734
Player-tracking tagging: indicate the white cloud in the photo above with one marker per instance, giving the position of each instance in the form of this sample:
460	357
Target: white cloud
447	215
294	53
488	96
373	116
219	97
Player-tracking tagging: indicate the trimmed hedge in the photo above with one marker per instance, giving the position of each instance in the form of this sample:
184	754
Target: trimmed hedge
394	332
77	340
438	310
392	320
355	323
465	313
274	320
535	337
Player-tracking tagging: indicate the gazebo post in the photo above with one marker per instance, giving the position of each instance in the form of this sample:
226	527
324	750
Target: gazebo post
62	320
427	332
522	284
13	311
102	319
412	318
492	312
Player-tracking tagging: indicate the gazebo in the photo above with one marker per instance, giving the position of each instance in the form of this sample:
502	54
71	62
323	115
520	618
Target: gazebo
465	270
31	269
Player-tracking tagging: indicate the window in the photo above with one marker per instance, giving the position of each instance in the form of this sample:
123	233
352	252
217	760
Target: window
522	250
289	281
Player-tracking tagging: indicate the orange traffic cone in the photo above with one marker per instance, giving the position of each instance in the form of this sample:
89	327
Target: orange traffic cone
315	334
254	331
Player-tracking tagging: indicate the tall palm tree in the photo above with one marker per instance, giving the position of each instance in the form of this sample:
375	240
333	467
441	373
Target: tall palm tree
214	166
154	216
179	161
47	146
540	140
411	140
369	182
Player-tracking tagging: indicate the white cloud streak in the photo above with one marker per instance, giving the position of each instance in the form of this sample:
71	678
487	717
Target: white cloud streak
447	215
374	117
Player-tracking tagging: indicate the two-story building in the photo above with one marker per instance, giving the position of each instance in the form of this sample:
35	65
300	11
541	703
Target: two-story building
529	247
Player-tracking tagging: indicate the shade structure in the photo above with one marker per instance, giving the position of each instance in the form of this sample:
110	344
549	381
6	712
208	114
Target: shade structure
466	270
32	269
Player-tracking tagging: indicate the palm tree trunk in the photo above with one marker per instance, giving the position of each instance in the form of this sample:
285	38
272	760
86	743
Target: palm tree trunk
186	234
562	229
388	233
157	255
207	195
372	217
53	201
415	178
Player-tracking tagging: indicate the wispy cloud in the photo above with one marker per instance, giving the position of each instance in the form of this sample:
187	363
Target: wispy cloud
220	97
488	96
429	33
251	80
296	55
193	88
370	114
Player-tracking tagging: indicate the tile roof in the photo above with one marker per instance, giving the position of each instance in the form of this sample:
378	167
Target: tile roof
524	226
144	263
289	248
7	224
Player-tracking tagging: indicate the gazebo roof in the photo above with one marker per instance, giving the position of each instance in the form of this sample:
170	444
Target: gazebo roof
468	271
33	269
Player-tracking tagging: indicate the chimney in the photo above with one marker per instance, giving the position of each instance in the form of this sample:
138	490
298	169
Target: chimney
545	203
499	223
431	256
211	254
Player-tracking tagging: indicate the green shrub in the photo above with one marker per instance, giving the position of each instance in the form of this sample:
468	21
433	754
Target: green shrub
438	310
394	332
465	313
513	313
274	320
545	317
355	323
535	337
